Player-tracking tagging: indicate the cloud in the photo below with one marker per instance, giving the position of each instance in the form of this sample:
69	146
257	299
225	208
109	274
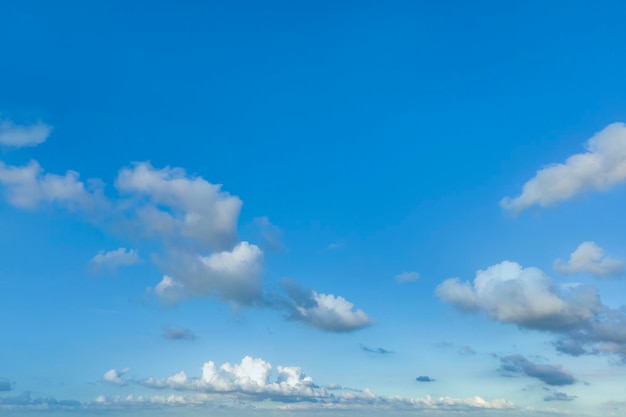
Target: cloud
589	257
169	203
424	378
256	380
271	235
231	276
405	277
114	376
19	136
178	333
28	186
559	396
462	350
598	169
555	375
323	311
378	350
527	297
509	293
115	258
25	400
5	385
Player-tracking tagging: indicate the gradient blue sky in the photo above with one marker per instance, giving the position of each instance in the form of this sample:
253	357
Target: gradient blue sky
368	153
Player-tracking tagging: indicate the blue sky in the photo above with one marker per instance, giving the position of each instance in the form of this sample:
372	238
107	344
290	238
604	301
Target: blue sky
287	208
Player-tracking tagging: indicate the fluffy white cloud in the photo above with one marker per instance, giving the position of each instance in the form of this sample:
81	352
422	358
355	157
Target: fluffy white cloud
229	275
405	277
114	376
19	136
601	167
115	258
527	297
589	257
332	313
27	186
170	204
508	293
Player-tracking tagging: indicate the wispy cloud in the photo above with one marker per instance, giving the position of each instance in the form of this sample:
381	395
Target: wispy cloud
19	136
548	374
178	333
559	396
376	350
406	277
113	259
598	169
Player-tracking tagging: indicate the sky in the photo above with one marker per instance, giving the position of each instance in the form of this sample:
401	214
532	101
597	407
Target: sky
292	208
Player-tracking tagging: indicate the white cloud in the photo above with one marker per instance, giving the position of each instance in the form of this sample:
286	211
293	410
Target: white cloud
527	297
600	168
172	204
332	313
27	186
19	136
231	276
405	277
115	258
589	257
114	376
508	293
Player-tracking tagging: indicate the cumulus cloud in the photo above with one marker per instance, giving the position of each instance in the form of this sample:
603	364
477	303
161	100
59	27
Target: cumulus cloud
231	276
405	277
508	293
114	376
589	257
424	378
27	186
559	396
598	169
19	136
115	258
170	203
555	375
378	350
178	333
254	379
323	311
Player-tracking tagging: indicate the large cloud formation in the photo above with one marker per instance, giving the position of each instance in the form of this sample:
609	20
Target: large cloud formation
191	221
600	168
254	379
508	293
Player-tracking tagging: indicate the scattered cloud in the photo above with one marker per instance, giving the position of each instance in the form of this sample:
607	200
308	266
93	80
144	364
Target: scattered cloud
559	396
334	246
527	297
20	136
405	277
27	186
113	259
25	400
323	311
178	333
555	375
5	385
378	350
114	376
461	349
589	257
424	378
598	169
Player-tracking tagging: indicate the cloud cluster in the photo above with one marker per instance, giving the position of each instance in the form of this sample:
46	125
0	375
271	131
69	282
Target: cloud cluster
600	168
19	136
527	297
555	375
253	379
192	220
589	257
